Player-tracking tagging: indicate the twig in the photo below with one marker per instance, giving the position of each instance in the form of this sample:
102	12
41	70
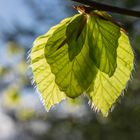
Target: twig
104	7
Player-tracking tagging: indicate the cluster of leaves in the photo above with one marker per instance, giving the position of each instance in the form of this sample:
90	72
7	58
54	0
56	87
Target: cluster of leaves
87	54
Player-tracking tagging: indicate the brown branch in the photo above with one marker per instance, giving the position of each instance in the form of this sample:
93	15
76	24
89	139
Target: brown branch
104	7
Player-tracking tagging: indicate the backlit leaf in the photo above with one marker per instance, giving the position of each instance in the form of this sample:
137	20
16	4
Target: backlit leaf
76	35
103	38
106	90
87	53
72	76
44	78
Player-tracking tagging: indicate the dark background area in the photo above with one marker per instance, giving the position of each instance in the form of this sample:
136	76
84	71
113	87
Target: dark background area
22	115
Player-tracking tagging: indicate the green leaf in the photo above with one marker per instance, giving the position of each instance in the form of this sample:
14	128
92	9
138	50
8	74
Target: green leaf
103	38
76	35
44	78
72	76
88	53
54	43
105	90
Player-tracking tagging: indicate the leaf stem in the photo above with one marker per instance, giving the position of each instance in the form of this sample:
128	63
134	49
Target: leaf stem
104	7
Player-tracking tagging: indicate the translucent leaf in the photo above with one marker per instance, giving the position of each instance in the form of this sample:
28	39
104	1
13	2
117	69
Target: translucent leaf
44	78
103	38
72	76
88	53
105	90
76	35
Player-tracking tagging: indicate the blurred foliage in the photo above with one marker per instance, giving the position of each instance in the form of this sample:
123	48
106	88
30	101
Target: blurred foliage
25	114
13	49
11	97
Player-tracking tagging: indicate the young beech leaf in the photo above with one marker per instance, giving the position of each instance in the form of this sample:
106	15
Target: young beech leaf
44	78
103	38
105	90
72	76
76	34
87	53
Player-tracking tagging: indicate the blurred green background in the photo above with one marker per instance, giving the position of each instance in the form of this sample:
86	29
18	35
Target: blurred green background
22	115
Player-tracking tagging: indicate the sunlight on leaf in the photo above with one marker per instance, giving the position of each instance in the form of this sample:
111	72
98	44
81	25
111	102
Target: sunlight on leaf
44	78
72	76
87	53
103	38
106	90
76	35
